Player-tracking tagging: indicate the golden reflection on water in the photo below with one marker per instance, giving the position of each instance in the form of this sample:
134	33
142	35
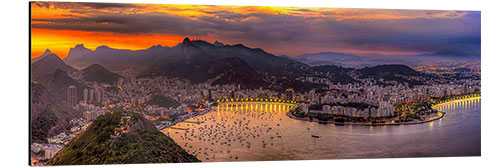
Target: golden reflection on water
456	107
293	134
234	132
460	104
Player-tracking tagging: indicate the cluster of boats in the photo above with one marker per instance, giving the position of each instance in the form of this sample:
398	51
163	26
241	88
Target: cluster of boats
226	135
216	134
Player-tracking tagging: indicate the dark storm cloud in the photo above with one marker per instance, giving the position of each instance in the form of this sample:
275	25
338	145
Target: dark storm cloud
228	15
109	5
269	27
303	10
76	5
419	34
42	4
326	13
118	23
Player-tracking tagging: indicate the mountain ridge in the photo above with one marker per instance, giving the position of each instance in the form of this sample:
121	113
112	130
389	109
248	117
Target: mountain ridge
48	63
113	59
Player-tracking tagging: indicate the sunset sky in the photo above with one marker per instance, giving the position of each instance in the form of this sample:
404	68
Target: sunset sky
290	31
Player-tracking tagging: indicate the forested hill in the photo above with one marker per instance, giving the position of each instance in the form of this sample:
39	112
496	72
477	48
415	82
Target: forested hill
142	143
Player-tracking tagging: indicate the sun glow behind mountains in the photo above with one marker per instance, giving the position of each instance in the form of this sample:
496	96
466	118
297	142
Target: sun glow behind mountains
60	41
292	31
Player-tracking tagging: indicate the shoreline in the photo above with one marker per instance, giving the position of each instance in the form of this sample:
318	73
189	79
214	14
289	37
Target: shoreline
362	123
162	127
289	114
454	101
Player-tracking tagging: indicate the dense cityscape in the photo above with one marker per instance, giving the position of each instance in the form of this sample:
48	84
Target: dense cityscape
134	95
150	83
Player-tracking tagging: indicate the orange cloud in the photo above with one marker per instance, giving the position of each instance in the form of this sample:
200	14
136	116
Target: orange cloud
195	11
67	9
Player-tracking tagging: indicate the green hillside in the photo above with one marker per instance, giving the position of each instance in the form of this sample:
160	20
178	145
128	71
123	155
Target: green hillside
142	144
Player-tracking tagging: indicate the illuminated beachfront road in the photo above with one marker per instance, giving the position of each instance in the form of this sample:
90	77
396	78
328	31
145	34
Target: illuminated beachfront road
254	106
462	103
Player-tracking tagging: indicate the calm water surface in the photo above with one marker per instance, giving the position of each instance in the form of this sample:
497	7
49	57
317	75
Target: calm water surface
246	135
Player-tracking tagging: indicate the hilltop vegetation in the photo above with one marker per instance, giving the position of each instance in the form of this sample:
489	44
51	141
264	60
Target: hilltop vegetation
143	144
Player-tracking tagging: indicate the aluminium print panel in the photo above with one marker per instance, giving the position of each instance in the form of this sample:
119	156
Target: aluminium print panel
117	83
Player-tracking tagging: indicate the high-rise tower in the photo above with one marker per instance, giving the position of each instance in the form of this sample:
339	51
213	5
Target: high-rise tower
71	96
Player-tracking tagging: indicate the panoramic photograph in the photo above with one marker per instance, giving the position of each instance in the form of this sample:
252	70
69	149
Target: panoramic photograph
120	83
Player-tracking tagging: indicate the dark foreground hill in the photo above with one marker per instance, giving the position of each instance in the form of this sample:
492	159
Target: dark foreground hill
233	70
338	74
395	72
382	71
97	73
58	82
199	61
142	144
49	116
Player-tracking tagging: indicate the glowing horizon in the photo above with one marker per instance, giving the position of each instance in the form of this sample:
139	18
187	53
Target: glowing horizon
291	31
